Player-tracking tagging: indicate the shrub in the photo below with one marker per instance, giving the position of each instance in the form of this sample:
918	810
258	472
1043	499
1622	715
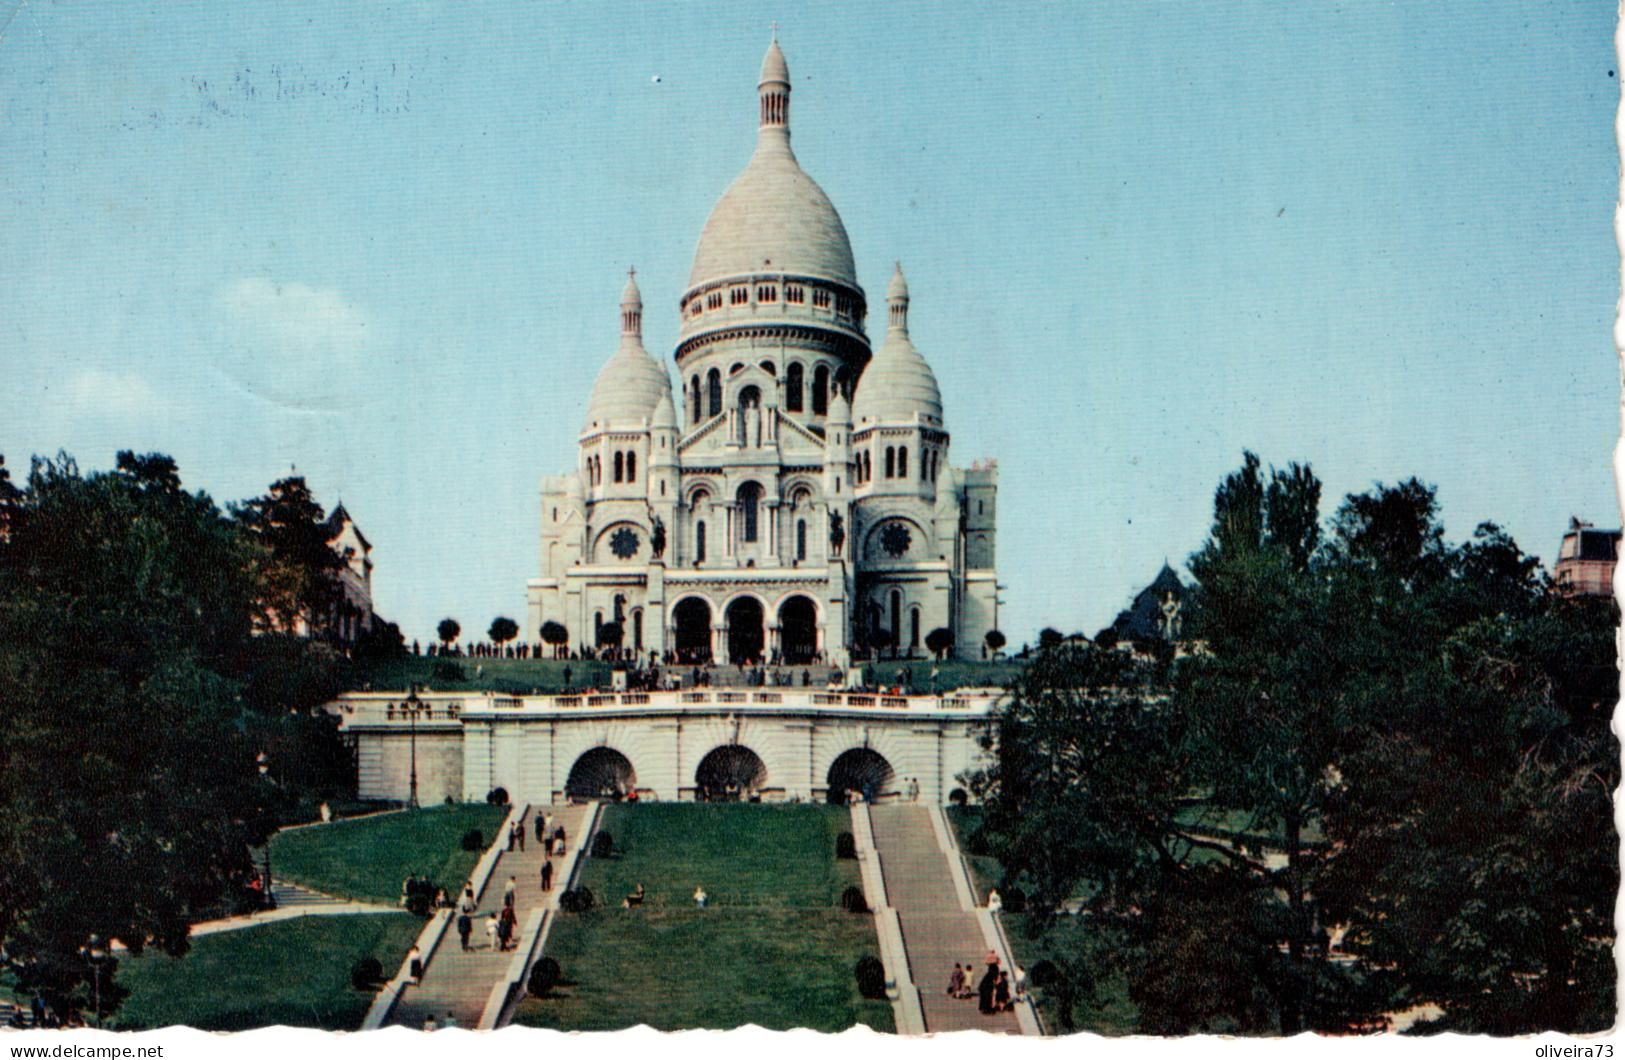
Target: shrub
958	797
871	976
419	896
1015	900
578	900
366	973
603	845
845	846
852	900
448	671
473	839
544	975
497	797
1045	974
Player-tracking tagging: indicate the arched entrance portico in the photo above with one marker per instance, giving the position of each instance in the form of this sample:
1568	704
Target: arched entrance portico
601	773
730	773
691	622
861	770
798	630
745	630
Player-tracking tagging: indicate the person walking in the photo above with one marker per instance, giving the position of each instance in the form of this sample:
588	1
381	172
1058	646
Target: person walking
956	981
986	989
469	904
542	821
491	932
504	928
519	830
508	892
465	928
414	965
512	838
547	875
995	904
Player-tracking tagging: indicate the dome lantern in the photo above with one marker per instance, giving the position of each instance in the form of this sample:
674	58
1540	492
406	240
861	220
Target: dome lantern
631	307
898	386
774	91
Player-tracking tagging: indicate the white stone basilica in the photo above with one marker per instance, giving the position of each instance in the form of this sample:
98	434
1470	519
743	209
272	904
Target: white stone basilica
802	504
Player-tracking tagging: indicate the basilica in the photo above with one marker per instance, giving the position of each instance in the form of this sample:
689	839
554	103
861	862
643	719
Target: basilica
794	500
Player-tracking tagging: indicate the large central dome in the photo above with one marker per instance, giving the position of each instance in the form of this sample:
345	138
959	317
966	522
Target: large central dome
774	218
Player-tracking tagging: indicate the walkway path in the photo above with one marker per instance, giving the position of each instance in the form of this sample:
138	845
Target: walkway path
460	982
937	930
292	902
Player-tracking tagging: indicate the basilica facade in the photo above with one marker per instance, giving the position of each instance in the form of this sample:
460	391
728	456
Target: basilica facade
794	500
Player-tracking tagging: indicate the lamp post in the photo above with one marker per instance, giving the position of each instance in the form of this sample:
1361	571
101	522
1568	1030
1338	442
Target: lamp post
95	954
412	705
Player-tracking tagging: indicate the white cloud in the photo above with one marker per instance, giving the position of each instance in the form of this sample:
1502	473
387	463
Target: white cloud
93	390
297	315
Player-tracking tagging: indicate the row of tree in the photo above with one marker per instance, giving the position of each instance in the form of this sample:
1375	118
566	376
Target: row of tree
1374	733
160	717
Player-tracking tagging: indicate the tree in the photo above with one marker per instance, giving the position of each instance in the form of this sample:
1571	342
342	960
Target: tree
995	641
1049	638
940	641
554	634
448	631
503	630
610	635
129	744
299	567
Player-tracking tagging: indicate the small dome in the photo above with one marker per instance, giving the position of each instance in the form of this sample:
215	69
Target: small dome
897	386
631	384
665	414
628	389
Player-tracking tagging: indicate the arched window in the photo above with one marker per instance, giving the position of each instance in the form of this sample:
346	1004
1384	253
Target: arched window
925	464
801	539
620	468
820	395
891	462
631	467
843	381
902	461
749	397
699	542
896	617
637	628
769	368
694	399
713	386
750	495
792	389
913	627
620	608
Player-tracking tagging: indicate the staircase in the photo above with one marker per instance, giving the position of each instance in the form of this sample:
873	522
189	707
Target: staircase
459	982
937	930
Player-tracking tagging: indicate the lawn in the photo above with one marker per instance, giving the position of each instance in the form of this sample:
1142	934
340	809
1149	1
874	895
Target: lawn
773	948
292	972
513	676
522	676
367	858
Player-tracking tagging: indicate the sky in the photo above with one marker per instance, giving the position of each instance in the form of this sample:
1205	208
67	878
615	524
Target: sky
382	245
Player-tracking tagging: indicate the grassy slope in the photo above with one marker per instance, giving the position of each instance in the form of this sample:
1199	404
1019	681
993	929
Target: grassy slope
773	949
368	858
292	972
519	676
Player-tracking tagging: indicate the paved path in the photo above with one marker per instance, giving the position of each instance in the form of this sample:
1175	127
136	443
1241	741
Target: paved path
936	931
459	982
292	902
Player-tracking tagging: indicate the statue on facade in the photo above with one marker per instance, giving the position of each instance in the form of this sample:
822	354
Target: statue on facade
657	538
837	532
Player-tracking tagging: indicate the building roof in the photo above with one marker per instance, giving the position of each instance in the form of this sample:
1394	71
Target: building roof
774	218
897	386
1600	545
1144	619
631	383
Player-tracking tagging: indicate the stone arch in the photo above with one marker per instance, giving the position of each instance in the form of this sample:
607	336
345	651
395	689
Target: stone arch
748	503
874	549
729	773
746	618
860	769
798	629
691	629
601	773
793	386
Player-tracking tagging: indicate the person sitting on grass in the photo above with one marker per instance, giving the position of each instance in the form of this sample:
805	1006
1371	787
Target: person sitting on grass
633	900
700	898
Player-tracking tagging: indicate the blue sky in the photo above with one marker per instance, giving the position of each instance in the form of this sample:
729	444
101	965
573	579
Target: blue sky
383	244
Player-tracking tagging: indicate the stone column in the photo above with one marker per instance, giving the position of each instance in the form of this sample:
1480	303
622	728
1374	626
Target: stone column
772	530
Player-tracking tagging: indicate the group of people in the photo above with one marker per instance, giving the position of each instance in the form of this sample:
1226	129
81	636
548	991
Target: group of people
995	992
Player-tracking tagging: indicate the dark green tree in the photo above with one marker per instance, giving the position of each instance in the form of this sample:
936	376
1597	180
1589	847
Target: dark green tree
448	631
554	634
128	757
299	566
503	630
940	641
